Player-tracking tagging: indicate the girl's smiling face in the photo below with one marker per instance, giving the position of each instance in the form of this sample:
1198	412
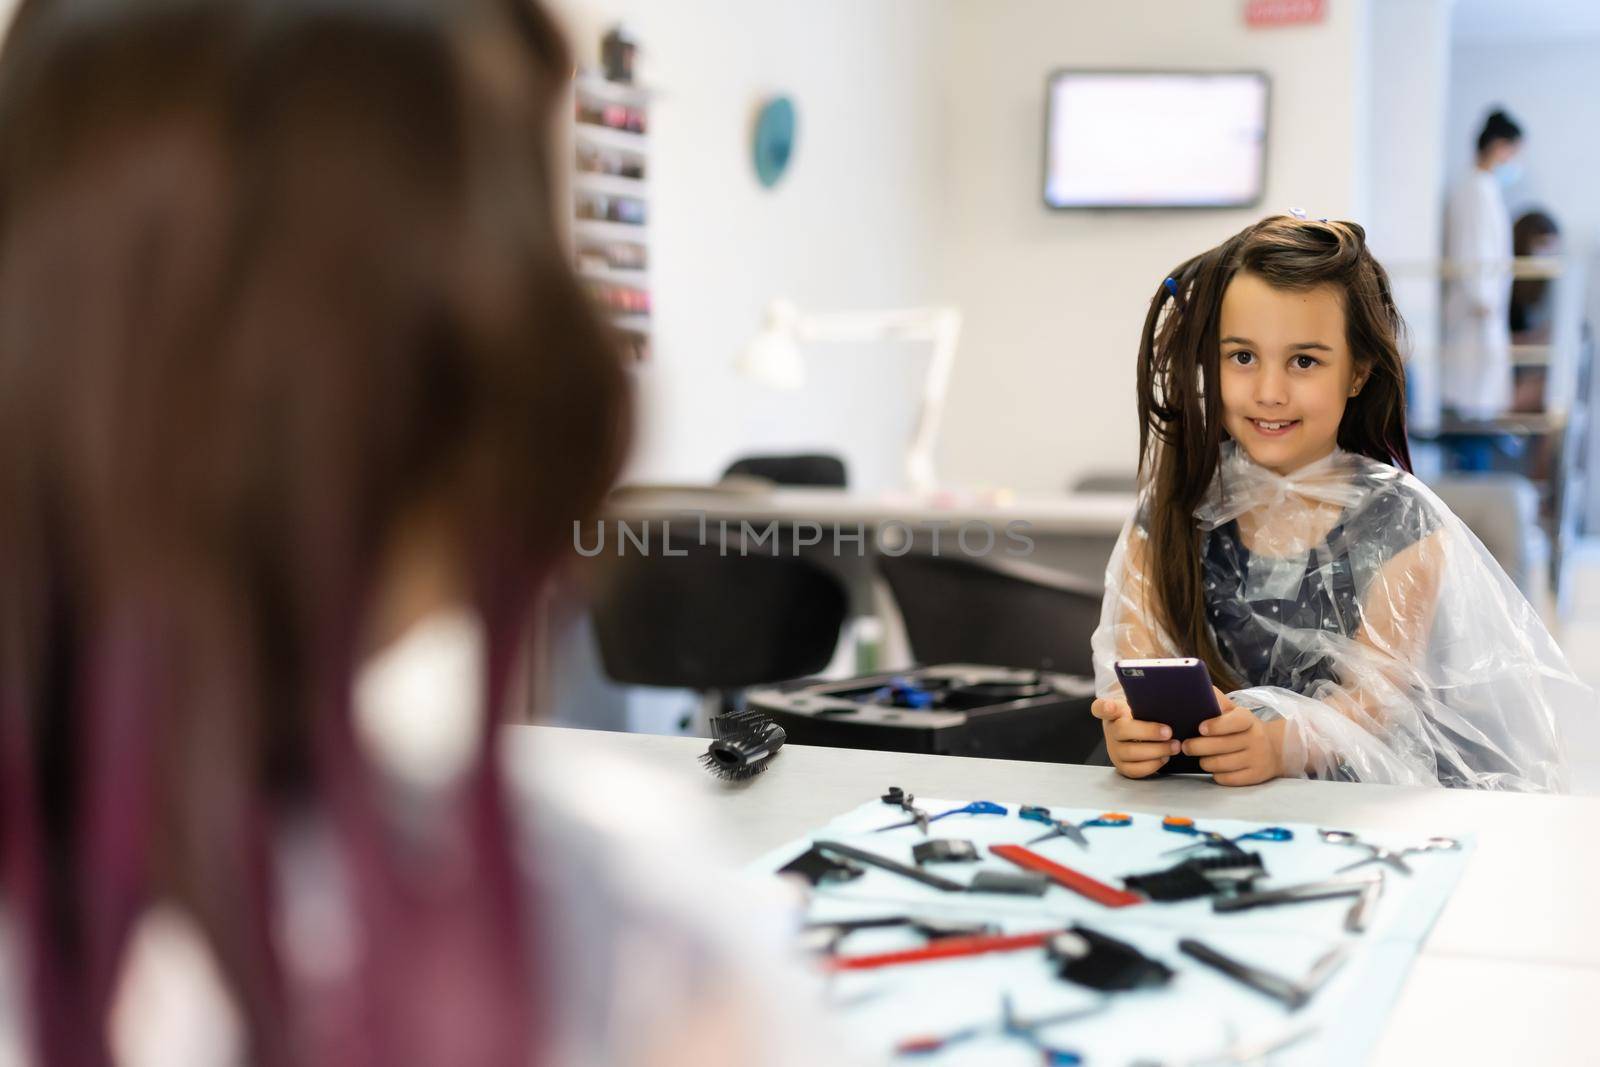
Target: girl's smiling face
1287	371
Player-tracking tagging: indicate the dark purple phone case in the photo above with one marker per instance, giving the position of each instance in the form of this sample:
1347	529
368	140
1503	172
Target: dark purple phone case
1180	697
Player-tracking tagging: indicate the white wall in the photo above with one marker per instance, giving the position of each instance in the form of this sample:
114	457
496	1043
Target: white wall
918	178
1409	72
849	227
1054	302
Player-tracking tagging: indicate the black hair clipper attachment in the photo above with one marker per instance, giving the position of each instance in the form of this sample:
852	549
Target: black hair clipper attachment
944	850
1101	962
742	745
1200	876
819	868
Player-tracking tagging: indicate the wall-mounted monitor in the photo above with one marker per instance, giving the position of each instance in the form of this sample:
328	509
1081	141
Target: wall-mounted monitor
1155	139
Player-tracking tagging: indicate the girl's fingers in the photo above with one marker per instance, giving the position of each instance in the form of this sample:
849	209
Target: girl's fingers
1224	702
1227	763
1139	768
1234	721
1109	709
1131	729
1144	750
1216	746
1250	776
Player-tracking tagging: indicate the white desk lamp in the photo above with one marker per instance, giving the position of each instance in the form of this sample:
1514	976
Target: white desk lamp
773	358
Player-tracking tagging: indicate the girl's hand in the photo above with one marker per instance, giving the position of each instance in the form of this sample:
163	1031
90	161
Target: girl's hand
1138	749
1236	748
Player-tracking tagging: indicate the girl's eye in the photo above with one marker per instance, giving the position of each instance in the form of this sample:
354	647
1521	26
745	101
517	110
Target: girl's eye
1307	362
1241	358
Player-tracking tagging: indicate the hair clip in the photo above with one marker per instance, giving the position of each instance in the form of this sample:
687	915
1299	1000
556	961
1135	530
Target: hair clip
1171	286
1298	212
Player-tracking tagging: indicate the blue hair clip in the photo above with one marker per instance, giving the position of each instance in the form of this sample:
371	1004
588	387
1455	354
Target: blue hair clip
1172	287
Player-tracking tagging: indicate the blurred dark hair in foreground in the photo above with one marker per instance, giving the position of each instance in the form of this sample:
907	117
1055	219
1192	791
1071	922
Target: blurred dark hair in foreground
280	285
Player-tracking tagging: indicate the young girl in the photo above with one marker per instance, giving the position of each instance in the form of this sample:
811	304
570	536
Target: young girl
1357	630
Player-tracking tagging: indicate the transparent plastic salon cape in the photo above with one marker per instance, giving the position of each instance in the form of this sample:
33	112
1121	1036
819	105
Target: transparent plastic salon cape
1354	605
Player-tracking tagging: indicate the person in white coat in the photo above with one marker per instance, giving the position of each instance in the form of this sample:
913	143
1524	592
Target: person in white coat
1476	361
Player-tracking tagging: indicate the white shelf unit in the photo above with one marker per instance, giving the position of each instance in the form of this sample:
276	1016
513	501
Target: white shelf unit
601	230
589	84
625	279
606	137
613	256
613	184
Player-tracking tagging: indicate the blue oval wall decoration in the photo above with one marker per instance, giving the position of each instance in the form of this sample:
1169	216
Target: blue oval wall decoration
775	136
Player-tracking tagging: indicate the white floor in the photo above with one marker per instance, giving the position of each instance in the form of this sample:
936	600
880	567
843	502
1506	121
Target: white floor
1579	634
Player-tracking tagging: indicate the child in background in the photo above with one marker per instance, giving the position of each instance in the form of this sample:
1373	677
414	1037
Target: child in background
1356	628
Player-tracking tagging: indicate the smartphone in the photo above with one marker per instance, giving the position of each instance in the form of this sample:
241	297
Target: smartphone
1176	692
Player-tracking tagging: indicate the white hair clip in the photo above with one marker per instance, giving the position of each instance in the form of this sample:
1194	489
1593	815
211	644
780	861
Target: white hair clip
1298	212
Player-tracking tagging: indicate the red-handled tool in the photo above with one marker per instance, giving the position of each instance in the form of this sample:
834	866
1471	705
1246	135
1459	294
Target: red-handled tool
943	949
1082	884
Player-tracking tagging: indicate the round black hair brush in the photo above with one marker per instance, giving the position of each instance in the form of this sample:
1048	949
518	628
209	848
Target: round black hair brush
742	746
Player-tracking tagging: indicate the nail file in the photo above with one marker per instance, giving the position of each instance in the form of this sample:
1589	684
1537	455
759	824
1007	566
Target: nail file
1082	884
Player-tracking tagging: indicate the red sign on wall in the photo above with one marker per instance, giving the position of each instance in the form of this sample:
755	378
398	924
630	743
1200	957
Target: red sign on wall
1284	12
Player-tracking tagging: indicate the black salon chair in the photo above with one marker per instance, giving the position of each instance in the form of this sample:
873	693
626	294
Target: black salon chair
1000	611
1007	613
811	471
715	621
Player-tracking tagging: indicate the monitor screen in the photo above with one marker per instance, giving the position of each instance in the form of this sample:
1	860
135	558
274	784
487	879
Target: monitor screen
1146	139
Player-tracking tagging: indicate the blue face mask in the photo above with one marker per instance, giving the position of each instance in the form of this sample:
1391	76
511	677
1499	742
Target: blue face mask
1508	173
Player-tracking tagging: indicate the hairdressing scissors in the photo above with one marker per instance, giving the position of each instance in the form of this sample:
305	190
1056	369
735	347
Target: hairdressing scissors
899	798
1179	824
921	819
1394	857
1069	830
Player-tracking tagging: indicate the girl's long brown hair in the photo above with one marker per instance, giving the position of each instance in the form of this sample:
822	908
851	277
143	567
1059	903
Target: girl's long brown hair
1180	396
276	276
